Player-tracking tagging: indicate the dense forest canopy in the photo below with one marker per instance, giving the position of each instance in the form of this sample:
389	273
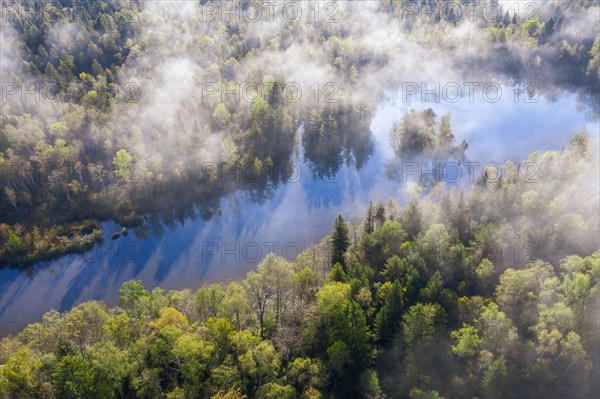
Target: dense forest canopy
151	112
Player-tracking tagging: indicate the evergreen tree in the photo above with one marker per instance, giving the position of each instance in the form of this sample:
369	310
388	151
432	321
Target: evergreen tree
340	241
380	215
411	219
369	220
388	318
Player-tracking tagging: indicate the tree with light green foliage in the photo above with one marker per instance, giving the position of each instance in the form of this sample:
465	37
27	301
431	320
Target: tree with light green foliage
221	115
122	163
58	129
467	342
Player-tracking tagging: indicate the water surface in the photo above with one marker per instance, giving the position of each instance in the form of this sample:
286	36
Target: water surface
298	213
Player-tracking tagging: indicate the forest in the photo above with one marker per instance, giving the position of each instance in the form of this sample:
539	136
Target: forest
146	114
109	114
491	294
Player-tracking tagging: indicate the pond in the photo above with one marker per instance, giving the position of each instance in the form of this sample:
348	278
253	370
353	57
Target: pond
298	213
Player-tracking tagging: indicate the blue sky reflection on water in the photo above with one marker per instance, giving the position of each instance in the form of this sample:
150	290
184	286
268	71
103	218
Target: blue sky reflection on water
298	213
